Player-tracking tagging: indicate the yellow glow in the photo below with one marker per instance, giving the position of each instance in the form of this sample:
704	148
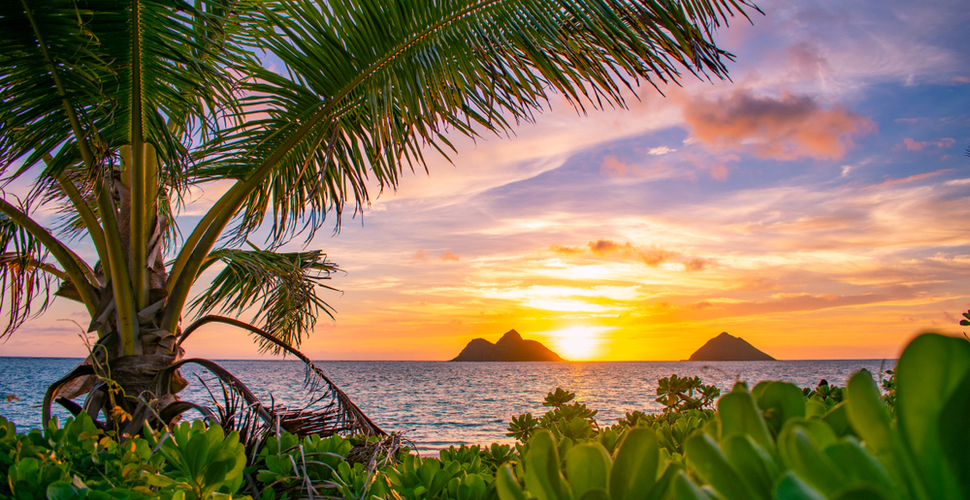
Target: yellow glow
579	343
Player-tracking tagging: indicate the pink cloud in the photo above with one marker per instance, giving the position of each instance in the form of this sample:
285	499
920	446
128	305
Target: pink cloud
420	256
613	167
911	145
791	127
807	60
911	178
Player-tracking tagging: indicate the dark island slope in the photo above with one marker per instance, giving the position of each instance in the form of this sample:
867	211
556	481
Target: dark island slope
726	347
511	347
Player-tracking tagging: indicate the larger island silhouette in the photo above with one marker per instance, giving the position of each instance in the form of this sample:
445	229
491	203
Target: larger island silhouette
726	347
511	347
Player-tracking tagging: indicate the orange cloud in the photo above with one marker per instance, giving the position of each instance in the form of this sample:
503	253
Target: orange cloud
655	256
787	128
911	178
696	264
652	256
450	256
420	256
911	145
605	247
565	249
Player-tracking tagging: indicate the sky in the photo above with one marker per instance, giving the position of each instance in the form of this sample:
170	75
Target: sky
817	205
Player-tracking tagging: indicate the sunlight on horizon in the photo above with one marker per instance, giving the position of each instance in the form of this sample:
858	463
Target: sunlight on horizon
579	343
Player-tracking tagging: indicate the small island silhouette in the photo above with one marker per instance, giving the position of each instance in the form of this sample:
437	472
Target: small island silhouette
726	347
511	347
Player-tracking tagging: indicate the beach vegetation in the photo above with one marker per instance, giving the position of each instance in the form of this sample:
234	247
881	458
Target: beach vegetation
769	442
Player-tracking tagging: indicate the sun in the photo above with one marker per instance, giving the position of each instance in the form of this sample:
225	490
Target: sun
579	343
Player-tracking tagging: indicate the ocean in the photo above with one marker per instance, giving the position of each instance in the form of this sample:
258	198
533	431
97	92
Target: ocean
438	404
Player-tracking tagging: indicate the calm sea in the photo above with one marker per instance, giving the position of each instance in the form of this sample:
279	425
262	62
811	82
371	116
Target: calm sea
440	403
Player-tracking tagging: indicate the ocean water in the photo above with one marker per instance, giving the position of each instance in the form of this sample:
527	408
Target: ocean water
438	404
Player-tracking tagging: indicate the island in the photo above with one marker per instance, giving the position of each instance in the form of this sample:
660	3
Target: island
726	347
511	347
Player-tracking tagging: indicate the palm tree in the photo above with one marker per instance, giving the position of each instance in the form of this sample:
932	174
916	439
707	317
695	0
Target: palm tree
114	109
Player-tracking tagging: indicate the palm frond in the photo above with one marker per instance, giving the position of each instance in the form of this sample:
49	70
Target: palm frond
24	275
183	64
368	84
281	287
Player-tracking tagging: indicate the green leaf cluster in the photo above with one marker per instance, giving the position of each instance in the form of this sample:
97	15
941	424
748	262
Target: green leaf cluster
588	471
772	443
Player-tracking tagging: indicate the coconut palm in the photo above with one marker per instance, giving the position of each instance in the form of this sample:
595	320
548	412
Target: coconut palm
113	110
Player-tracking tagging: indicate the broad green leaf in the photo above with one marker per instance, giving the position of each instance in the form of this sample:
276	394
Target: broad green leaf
429	468
815	408
838	419
930	370
752	462
779	401
62	490
955	429
595	494
857	464
804	457
588	467
710	463
472	488
792	487
862	492
196	452
868	415
685	489
635	465
215	474
739	415
542	476
507	485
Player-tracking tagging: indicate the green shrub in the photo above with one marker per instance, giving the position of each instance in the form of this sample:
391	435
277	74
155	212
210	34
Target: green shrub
771	444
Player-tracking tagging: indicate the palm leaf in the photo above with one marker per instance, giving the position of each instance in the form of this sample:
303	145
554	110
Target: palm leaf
182	66
282	287
24	275
368	84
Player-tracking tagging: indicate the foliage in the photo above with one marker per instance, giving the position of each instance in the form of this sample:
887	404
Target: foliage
81	461
677	393
888	385
588	470
769	442
573	420
829	395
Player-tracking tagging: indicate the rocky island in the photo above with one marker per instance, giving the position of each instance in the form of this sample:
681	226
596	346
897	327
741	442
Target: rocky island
726	347
511	347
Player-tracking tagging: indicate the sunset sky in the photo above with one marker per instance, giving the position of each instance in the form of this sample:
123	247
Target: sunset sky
817	206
